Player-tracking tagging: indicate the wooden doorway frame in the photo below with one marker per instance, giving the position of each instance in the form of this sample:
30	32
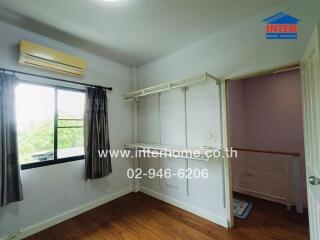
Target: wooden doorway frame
226	129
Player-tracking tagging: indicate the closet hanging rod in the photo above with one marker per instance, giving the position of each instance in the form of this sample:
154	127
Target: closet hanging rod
53	78
170	85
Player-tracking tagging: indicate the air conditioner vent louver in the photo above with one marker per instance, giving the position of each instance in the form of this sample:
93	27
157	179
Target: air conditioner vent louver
43	57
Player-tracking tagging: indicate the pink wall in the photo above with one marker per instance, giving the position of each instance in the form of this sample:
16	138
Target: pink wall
266	113
236	113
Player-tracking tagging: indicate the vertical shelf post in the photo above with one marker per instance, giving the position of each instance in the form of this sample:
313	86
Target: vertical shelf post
184	92
137	161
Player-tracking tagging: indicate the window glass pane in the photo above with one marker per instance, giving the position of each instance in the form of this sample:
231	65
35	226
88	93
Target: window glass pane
35	122
70	142
70	104
70	123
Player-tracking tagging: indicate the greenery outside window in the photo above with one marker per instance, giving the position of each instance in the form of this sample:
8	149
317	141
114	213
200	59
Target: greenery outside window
49	124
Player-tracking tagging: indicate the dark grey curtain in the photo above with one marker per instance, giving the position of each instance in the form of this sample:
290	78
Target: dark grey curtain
11	189
96	134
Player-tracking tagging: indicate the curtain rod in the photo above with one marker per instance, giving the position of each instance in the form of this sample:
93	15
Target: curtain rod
57	79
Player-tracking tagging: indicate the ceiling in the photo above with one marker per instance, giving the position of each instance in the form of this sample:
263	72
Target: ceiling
129	31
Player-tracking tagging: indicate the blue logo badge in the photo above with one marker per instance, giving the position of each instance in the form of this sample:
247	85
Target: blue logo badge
281	26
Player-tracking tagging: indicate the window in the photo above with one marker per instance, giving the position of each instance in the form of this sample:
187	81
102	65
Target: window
49	124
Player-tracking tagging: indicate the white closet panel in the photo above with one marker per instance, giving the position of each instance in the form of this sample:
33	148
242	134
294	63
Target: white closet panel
172	118
214	200
149	131
204	129
175	186
146	164
149	119
204	115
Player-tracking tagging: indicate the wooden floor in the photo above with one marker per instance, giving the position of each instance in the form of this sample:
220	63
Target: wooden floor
138	216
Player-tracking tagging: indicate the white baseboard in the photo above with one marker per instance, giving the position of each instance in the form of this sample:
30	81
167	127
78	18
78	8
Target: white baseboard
185	206
23	233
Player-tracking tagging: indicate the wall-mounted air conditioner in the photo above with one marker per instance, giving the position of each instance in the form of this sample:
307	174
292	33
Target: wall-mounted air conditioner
40	56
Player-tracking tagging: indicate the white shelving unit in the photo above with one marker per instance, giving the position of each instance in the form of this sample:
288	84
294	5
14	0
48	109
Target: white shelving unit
171	85
187	137
161	150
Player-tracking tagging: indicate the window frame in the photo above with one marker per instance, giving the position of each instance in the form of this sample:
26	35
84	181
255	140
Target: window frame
55	160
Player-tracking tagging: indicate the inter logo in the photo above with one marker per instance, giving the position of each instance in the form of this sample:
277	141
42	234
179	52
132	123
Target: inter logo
281	26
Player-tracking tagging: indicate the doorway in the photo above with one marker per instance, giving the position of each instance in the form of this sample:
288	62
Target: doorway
265	124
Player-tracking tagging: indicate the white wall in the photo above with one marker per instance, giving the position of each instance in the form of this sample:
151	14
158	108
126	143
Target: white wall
234	51
53	190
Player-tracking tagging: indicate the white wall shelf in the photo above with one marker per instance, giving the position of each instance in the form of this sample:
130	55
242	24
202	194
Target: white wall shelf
161	150
171	85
